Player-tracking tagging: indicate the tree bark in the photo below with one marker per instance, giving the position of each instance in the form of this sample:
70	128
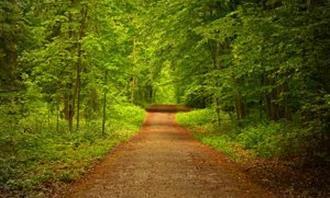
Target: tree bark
240	106
104	117
217	109
134	80
78	67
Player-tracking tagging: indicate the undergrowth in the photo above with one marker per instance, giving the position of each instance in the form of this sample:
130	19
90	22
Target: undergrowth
245	139
42	155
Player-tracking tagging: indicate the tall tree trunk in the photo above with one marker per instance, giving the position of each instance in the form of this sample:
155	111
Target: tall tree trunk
240	106
134	80
286	109
78	67
217	109
104	117
133	86
57	118
69	112
78	98
69	98
214	51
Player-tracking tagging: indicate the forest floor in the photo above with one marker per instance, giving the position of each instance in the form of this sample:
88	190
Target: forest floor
164	160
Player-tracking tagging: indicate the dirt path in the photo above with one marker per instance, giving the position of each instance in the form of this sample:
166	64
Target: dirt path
163	160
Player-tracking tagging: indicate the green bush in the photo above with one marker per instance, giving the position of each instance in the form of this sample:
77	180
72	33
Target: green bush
206	119
30	158
263	139
204	127
195	118
220	142
266	139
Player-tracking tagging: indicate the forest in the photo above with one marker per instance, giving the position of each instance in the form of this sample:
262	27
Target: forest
76	76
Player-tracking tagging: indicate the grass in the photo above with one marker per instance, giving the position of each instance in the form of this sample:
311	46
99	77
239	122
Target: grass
203	125
30	160
247	140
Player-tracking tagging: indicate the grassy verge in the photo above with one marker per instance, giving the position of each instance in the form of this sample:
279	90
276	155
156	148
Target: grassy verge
243	140
31	162
270	152
204	128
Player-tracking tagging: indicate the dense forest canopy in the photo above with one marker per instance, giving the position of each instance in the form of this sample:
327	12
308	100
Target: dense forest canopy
65	64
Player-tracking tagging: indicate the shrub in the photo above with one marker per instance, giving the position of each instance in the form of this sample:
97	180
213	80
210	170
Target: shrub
30	158
266	139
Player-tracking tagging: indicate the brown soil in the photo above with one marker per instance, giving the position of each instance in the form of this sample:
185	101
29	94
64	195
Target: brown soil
164	160
290	178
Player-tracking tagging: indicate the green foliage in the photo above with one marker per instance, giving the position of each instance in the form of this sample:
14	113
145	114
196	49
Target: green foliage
222	143
70	69
204	127
65	87
164	88
126	117
268	139
196	117
206	119
264	139
31	158
266	60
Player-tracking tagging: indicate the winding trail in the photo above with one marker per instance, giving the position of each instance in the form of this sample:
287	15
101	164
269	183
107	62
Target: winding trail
163	160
